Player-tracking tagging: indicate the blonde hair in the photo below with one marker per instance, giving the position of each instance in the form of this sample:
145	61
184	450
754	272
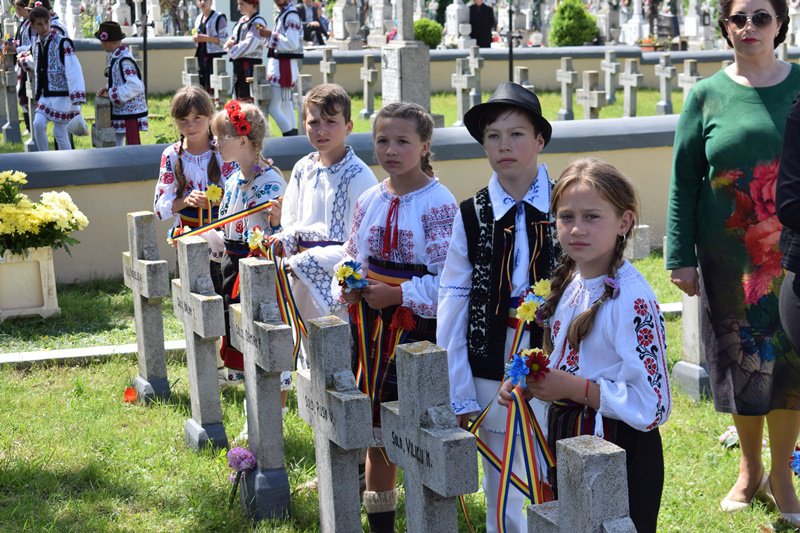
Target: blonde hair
416	114
186	101
615	188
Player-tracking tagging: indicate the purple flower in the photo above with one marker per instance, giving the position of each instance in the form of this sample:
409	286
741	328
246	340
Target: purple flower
541	319
613	285
103	35
241	459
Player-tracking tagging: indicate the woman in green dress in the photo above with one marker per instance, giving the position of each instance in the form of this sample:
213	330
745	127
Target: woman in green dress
722	218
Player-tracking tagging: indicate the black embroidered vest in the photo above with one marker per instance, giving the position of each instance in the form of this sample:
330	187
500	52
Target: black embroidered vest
487	245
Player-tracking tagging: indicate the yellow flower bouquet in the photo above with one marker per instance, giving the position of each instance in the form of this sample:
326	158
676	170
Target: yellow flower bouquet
25	224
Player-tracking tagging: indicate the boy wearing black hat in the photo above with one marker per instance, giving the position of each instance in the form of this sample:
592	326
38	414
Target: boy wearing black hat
502	244
125	88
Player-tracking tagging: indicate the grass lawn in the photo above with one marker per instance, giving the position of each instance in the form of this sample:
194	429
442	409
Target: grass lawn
162	129
74	457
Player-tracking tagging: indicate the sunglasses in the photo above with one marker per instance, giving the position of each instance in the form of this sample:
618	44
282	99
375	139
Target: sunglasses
759	20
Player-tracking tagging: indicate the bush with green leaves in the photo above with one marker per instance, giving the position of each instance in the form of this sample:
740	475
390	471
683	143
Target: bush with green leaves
428	31
572	24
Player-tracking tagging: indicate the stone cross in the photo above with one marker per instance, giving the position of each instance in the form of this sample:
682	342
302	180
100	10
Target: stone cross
589	96
610	67
521	78
260	89
147	277
592	490
341	415
630	79
103	135
11	129
191	72
266	343
462	80
220	81
327	65
369	75
665	73
689	77
475	65
568	78
405	20
200	308
301	86
438	458
5	66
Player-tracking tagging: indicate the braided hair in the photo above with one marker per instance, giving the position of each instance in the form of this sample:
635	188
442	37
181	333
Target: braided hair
188	101
416	114
616	189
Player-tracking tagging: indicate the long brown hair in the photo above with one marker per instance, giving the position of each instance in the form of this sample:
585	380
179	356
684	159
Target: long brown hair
186	101
421	119
615	188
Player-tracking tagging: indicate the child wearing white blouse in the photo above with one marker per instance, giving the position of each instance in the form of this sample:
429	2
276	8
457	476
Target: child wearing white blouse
605	334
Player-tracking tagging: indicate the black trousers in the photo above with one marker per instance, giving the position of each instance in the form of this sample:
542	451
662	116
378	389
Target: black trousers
789	308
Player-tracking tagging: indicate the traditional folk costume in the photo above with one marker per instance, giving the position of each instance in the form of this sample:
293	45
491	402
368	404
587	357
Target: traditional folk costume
240	194
317	215
285	48
126	91
60	88
478	298
399	240
624	353
23	40
215	25
246	52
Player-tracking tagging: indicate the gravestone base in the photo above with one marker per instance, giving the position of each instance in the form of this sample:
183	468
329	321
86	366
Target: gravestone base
346	44
147	391
692	379
11	133
265	494
197	436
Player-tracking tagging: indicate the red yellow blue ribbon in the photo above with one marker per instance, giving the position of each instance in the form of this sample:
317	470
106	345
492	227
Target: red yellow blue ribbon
362	348
286	302
226	219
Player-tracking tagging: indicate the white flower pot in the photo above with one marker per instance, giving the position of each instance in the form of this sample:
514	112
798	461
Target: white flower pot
28	284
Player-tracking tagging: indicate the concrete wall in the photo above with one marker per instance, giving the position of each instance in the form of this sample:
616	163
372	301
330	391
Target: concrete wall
108	183
165	63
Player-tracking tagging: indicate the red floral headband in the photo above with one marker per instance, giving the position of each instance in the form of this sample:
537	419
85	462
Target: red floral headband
237	118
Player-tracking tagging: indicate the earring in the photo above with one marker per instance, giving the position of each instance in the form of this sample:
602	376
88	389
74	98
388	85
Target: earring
623	237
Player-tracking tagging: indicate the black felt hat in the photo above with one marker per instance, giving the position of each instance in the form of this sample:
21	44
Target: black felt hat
110	31
508	94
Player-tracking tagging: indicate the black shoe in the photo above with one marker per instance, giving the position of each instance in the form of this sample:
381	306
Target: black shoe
290	133
381	522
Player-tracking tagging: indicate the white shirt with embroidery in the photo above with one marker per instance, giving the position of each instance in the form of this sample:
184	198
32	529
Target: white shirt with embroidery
318	205
625	351
424	221
287	37
454	292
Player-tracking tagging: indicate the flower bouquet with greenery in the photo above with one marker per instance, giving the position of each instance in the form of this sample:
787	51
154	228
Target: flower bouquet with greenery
25	224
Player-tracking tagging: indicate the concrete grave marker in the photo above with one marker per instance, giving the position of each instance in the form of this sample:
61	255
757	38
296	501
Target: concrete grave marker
369	75
589	96
568	78
475	65
30	142
689	77
146	275
462	80
665	73
191	72
267	343
592	490
103	135
327	66
301	87
11	129
630	79
260	89
220	81
439	459
610	67
200	308
341	415
521	78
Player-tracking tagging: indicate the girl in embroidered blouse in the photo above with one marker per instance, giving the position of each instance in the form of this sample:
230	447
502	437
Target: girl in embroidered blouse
239	131
605	334
400	234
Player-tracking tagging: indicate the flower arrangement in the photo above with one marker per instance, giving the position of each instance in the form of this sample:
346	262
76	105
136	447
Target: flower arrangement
241	460
533	298
257	240
237	118
350	277
25	224
533	362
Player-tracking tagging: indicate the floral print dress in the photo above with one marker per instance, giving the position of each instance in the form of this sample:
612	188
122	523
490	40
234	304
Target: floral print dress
722	204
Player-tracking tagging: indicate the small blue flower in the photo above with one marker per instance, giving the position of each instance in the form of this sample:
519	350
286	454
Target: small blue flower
796	462
517	369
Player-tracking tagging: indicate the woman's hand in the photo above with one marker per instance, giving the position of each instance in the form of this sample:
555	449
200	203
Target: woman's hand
558	385
102	91
351	297
379	295
275	212
686	279
197	199
505	393
277	245
463	420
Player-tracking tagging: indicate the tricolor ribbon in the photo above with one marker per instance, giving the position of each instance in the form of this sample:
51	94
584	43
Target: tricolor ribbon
226	219
286	302
362	347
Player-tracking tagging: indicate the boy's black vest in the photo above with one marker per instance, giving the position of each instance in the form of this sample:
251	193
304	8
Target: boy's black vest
489	243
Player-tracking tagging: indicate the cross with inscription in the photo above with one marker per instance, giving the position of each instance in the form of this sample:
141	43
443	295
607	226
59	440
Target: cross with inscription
220	81
630	79
438	458
190	75
200	308
665	73
266	342
148	279
610	67
11	129
260	89
369	75
689	77
521	77
461	81
327	65
341	415
568	78
589	97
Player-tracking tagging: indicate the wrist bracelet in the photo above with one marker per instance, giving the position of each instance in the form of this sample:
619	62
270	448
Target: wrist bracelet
586	395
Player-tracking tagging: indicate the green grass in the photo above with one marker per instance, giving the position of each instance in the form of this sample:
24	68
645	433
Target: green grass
162	129
74	457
